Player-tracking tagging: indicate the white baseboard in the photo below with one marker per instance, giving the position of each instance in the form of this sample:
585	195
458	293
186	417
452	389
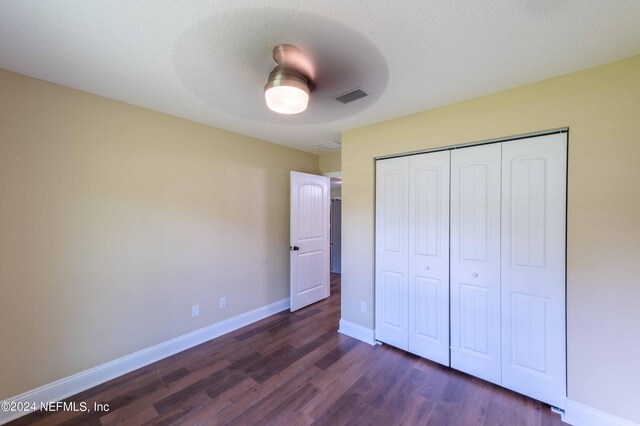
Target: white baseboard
582	415
68	386
357	332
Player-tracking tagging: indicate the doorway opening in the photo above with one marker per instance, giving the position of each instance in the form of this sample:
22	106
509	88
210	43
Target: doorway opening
335	244
315	237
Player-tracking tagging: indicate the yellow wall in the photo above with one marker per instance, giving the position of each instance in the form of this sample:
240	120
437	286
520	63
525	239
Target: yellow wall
330	162
601	106
114	220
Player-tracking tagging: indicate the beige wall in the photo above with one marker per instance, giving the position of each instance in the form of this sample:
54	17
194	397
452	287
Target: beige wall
330	162
601	107
114	220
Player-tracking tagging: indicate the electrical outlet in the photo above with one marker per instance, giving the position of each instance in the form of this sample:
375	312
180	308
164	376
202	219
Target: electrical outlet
363	307
195	310
223	302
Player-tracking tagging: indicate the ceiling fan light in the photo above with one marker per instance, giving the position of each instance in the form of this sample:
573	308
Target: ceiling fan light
287	99
288	87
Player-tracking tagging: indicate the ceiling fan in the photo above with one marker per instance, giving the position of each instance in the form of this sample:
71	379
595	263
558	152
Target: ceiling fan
289	83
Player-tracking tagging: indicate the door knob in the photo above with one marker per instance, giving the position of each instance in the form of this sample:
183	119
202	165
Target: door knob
426	268
294	248
474	275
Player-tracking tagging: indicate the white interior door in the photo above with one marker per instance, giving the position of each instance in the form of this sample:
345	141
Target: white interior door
475	261
392	203
533	267
309	249
429	256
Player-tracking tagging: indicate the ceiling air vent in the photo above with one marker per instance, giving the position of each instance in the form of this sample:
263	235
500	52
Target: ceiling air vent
330	146
351	95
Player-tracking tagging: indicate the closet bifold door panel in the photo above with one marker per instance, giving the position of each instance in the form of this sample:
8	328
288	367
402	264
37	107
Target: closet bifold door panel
429	256
533	267
475	261
392	264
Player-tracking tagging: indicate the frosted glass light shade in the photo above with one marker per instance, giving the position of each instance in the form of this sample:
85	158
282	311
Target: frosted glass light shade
286	99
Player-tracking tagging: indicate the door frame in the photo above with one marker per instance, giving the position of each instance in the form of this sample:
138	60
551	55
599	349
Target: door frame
471	144
330	175
475	143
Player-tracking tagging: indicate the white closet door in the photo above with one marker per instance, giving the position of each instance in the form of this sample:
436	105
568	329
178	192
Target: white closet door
392	264
475	261
533	267
429	256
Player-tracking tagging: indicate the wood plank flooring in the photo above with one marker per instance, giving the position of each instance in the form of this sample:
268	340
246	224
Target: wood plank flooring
295	369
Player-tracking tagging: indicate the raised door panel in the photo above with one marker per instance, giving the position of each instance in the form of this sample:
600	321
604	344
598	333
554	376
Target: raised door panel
475	261
311	211
391	277
429	256
533	267
393	300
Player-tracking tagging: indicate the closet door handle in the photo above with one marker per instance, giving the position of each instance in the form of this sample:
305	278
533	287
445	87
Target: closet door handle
294	248
474	275
426	268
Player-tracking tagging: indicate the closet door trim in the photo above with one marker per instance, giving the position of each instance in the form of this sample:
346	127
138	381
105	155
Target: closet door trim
476	143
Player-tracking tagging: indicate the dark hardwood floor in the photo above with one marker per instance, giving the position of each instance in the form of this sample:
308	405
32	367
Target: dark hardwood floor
295	369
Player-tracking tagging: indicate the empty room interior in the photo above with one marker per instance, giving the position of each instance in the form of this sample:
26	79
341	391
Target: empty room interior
324	212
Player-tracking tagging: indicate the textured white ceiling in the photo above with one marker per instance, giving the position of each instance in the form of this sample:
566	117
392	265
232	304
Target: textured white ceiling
207	61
